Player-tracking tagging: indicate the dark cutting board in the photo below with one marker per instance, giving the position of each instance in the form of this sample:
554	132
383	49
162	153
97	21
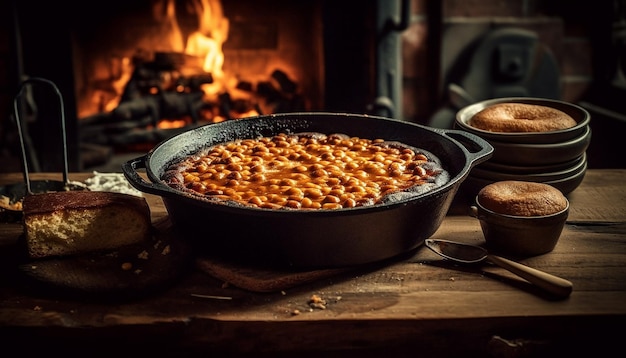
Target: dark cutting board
262	279
257	278
123	273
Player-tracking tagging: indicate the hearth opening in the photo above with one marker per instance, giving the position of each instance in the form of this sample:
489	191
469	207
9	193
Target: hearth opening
138	72
171	64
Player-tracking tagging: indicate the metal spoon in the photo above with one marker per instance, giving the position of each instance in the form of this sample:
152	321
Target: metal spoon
470	254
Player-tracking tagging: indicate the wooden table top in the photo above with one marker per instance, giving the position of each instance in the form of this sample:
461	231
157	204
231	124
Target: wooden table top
418	305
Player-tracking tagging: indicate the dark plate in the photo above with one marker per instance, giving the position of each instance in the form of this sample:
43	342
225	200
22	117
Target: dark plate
472	185
531	169
540	154
496	175
101	276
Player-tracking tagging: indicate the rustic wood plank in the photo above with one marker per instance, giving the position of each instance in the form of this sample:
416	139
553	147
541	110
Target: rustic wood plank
418	302
600	197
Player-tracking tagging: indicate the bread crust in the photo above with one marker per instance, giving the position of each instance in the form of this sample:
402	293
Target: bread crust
55	201
521	117
77	222
522	198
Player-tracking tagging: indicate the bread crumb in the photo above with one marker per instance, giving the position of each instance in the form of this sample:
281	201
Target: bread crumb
127	266
317	302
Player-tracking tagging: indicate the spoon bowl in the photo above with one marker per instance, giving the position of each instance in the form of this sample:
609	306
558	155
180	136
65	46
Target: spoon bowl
472	254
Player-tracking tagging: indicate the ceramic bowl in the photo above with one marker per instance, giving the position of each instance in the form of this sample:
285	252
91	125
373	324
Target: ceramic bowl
520	236
525	154
556	157
580	115
540	176
531	169
566	176
473	184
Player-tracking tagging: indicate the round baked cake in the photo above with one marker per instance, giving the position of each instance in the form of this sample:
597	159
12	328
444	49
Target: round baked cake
521	117
520	198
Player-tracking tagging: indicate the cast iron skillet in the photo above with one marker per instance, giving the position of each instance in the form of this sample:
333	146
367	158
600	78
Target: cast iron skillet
319	238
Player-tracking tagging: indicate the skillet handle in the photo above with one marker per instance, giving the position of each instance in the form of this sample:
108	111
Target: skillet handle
129	169
477	149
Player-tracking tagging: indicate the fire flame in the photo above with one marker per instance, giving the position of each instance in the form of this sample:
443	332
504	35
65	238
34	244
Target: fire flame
207	41
164	11
203	43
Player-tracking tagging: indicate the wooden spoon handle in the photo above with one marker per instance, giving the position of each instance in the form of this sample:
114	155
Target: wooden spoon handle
555	285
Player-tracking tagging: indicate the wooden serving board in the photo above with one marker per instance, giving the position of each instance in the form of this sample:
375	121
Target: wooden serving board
260	279
128	272
255	278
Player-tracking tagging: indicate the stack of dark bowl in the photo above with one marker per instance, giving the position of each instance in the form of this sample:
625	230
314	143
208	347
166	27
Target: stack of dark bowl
555	157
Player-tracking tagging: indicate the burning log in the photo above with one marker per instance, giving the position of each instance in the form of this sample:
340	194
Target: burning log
284	96
178	105
267	90
102	128
285	84
157	92
142	106
163	74
143	112
164	105
195	82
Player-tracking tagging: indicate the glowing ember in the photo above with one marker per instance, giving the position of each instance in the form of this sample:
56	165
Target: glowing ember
172	123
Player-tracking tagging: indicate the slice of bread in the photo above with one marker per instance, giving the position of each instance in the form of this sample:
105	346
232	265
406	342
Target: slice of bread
76	222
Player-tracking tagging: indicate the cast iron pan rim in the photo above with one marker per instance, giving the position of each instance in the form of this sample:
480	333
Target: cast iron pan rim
169	193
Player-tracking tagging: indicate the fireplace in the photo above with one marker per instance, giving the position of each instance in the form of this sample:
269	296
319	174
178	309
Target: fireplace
137	72
168	64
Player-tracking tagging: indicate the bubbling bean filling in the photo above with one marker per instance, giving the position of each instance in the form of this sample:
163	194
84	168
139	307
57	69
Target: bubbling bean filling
306	171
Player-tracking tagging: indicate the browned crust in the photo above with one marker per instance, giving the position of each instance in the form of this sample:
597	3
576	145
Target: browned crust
56	201
521	117
521	198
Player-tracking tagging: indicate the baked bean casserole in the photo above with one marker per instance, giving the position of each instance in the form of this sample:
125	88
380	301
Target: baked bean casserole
306	171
